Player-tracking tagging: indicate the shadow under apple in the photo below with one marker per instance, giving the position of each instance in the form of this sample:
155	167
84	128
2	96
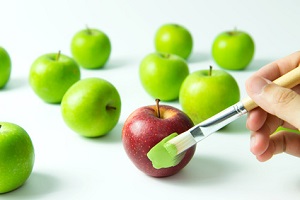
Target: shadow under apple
197	57
113	136
203	170
118	62
257	63
37	185
15	83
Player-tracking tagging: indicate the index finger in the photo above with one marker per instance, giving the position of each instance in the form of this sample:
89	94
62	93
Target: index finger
279	67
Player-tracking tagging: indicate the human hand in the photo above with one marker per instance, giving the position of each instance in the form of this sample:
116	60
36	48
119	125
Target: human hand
277	107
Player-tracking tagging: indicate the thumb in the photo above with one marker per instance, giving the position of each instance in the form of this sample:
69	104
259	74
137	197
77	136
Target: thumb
281	102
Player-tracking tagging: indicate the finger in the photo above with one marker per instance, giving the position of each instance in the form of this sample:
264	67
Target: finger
279	67
276	100
286	142
280	142
289	126
258	143
256	118
259	140
297	89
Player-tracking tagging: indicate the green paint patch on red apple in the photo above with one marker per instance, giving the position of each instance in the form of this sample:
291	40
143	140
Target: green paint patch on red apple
205	93
5	67
161	157
233	50
147	126
16	156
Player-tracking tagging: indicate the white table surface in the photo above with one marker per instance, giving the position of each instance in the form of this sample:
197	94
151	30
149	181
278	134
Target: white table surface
68	166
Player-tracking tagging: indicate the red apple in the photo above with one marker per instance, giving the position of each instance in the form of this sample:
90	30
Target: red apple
147	126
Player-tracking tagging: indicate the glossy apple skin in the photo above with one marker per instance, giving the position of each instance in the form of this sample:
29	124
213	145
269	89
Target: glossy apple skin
233	50
50	77
162	75
202	95
16	156
174	39
143	129
91	48
5	67
91	107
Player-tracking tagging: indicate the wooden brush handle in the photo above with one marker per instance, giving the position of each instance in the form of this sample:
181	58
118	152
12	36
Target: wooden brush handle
288	80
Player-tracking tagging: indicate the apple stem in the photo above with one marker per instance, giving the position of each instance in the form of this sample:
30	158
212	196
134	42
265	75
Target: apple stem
210	70
88	29
110	108
58	55
157	106
233	32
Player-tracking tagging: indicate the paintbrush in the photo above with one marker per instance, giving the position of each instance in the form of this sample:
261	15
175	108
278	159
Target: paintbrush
202	130
177	146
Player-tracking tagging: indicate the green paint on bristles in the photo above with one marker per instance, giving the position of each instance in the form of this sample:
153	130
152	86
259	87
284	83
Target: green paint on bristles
163	155
171	149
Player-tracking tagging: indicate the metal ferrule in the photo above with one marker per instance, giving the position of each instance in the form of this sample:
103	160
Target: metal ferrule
218	121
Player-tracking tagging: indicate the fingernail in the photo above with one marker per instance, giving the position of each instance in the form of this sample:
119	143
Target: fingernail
258	84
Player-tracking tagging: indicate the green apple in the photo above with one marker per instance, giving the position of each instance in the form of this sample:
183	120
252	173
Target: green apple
16	156
52	74
5	67
204	93
91	48
162	74
233	50
91	107
174	39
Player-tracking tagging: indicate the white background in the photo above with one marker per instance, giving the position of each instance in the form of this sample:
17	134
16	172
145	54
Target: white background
68	166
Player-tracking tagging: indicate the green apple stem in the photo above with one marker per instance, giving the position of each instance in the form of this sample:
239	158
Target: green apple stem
157	106
58	55
88	29
110	107
167	55
210	70
233	32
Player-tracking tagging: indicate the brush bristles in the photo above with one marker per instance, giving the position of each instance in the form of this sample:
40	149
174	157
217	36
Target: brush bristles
183	142
178	158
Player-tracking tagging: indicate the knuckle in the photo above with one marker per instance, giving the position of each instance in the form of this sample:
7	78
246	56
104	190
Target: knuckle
284	96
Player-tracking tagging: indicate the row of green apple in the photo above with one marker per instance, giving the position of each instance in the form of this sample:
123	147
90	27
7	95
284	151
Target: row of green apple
167	77
55	78
51	75
91	48
231	50
165	73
